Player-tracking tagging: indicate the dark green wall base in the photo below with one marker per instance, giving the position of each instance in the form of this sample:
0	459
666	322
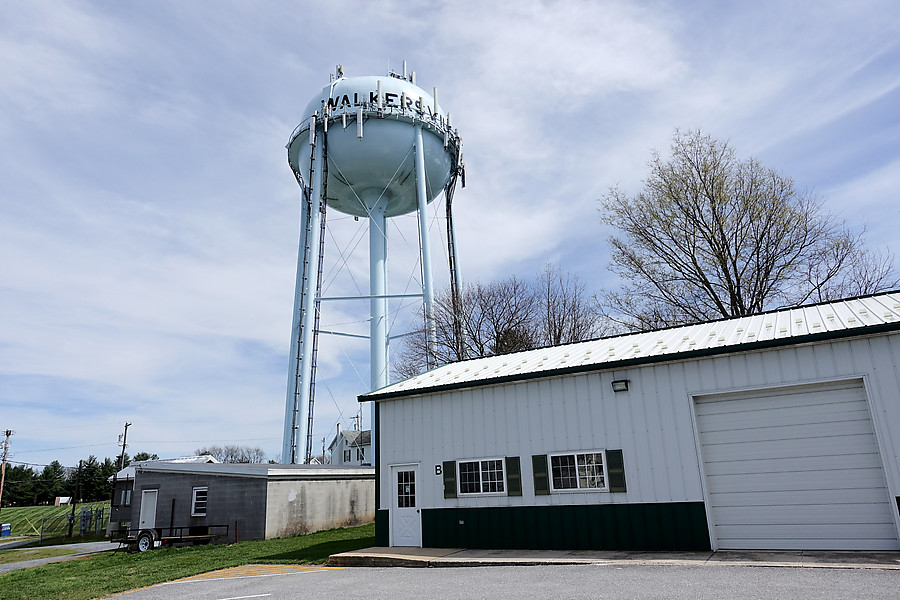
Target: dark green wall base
663	526
382	523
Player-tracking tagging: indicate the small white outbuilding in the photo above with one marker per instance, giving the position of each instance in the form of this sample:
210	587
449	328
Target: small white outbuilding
776	431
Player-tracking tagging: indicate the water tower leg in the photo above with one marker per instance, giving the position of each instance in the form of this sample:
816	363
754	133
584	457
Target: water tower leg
378	305
291	416
427	278
300	368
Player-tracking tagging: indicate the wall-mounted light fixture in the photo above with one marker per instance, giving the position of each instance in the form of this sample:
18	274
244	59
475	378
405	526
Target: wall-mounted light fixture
620	385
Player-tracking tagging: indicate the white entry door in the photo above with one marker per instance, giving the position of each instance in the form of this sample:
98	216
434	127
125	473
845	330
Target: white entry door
406	520
148	509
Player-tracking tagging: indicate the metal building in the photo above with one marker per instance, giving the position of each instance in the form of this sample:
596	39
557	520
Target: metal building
776	431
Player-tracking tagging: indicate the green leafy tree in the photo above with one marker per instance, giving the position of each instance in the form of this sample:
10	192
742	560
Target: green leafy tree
51	483
89	481
20	486
145	456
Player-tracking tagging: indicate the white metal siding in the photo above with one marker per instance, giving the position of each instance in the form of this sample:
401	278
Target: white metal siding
795	468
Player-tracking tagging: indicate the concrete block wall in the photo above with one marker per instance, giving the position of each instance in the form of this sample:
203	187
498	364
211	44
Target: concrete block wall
303	506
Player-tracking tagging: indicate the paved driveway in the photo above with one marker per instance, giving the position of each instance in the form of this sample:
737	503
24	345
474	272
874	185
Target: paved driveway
569	582
80	550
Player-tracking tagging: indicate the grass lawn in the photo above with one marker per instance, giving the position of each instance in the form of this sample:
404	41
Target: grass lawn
102	574
26	520
20	554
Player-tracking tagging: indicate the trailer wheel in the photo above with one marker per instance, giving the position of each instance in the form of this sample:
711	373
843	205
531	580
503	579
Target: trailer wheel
145	541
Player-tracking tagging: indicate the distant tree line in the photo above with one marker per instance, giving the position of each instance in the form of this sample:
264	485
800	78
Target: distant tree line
231	453
90	480
87	482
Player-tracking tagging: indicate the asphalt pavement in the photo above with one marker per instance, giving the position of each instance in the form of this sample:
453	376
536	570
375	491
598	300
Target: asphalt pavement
570	582
82	549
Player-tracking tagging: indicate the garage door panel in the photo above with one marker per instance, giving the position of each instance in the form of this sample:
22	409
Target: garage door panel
801	480
783	498
811	430
735	404
858	444
753	466
812	514
833	413
857	531
796	468
819	543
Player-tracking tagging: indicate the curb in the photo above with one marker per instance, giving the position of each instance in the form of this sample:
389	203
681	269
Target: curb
458	559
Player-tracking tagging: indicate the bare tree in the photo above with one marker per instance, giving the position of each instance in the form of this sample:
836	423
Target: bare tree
495	318
567	313
504	316
713	236
505	312
231	453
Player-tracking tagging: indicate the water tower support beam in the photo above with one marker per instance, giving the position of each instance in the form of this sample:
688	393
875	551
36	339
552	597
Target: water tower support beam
425	238
304	307
378	304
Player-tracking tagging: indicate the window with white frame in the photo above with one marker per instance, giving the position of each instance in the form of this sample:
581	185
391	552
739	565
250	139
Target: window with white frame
578	471
361	454
481	476
346	456
198	502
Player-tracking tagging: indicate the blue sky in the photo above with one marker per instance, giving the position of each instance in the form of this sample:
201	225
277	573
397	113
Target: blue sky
149	219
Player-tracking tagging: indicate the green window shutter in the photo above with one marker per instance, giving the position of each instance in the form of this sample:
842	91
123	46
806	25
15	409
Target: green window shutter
615	467
513	476
449	471
541	477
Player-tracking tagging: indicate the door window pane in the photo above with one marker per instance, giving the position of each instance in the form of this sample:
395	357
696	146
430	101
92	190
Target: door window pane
406	489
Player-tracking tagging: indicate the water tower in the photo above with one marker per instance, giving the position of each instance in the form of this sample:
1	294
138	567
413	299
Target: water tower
375	148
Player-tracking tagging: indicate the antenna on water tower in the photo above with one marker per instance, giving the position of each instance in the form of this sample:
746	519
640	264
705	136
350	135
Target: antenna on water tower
399	157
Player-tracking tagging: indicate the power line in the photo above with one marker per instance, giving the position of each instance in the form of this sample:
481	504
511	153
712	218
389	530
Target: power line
63	448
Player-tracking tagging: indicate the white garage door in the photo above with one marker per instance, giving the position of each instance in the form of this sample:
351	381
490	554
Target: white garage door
796	468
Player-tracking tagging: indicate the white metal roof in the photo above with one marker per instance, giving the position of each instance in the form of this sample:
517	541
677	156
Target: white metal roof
855	316
128	472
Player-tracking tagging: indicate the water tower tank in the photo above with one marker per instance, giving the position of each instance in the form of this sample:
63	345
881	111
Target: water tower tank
377	159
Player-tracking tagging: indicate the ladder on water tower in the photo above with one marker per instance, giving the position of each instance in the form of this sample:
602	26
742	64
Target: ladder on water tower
304	280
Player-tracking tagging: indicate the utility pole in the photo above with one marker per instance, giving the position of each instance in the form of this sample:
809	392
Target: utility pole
3	467
124	444
75	499
123	438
